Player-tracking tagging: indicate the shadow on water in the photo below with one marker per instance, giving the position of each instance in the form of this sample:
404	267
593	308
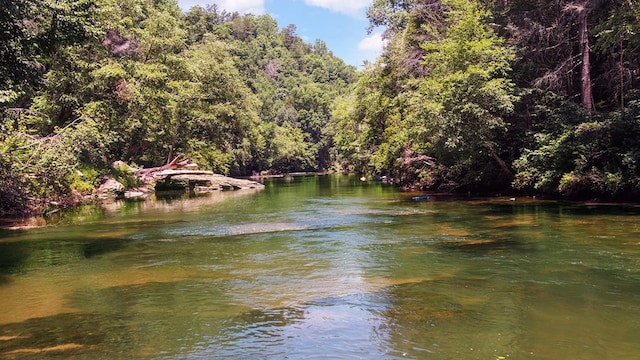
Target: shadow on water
506	207
20	257
131	321
67	335
474	246
13	257
501	225
103	246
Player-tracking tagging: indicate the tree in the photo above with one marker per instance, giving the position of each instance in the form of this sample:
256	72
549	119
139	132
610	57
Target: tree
577	152
435	107
615	40
19	71
222	109
84	83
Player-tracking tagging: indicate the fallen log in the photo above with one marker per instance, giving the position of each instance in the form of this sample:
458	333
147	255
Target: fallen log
146	173
177	174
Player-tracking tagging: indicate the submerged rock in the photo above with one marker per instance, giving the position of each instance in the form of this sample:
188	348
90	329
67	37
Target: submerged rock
138	192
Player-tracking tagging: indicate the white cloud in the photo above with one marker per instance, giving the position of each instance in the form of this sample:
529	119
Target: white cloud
255	7
349	7
374	43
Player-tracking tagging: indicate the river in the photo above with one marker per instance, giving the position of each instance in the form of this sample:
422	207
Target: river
324	267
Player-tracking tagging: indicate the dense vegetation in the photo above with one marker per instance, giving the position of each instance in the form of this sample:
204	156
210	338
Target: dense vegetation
85	83
535	96
531	96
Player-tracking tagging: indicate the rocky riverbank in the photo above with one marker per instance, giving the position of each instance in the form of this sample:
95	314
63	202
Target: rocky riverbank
146	182
188	180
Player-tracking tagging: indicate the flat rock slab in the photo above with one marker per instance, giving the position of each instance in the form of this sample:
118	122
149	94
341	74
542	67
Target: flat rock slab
206	180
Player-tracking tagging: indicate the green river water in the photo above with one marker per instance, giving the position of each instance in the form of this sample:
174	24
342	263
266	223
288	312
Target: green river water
324	267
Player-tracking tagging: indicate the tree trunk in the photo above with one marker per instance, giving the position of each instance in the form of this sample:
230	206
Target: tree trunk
170	156
503	165
621	73
173	164
585	76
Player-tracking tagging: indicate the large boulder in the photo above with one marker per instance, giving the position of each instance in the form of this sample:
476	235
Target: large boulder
109	188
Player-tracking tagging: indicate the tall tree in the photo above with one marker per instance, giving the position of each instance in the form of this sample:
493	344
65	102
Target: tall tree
582	12
617	42
19	69
436	107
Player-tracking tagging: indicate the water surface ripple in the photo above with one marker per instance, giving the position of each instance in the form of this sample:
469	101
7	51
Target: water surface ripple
324	267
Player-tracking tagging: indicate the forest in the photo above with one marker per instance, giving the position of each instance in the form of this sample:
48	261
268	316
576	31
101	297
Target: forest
524	97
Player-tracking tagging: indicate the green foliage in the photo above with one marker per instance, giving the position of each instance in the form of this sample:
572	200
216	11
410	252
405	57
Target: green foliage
392	14
84	83
448	104
14	200
17	73
84	180
595	157
208	156
347	136
122	174
467	93
288	151
89	82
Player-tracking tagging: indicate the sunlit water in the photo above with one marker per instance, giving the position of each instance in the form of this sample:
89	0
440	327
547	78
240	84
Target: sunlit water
324	267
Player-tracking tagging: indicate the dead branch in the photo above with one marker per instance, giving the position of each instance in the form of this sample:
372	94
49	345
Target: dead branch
148	173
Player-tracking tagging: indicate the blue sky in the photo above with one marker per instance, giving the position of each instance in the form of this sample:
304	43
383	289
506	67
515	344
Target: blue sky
342	24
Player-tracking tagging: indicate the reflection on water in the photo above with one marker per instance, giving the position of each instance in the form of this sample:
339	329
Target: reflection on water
324	267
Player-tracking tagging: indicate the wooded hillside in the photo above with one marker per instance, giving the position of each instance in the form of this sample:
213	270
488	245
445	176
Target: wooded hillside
85	83
474	96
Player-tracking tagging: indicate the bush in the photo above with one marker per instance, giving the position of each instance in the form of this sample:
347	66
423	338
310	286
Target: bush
14	199
84	179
